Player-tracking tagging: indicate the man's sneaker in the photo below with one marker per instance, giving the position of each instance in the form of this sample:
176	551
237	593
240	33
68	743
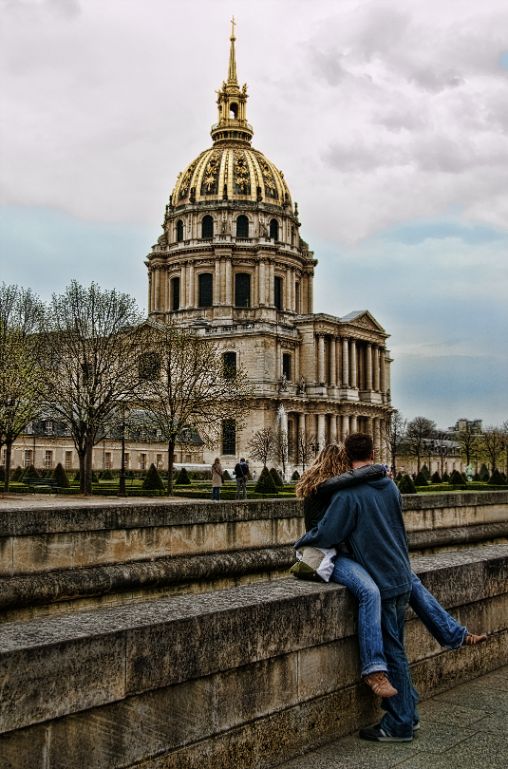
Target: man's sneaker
416	728
380	684
376	734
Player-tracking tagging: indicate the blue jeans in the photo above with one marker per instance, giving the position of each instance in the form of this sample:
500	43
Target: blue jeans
400	710
216	492
359	582
445	629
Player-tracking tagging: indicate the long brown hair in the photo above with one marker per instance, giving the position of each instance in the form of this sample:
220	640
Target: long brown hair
332	460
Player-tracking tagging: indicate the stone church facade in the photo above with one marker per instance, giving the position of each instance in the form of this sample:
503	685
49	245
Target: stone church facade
231	264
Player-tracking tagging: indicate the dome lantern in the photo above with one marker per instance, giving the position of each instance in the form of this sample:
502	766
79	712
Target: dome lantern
232	102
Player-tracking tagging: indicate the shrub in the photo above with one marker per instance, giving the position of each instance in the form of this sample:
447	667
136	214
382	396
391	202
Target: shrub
106	475
152	480
421	479
436	478
484	473
476	477
183	478
295	476
276	477
17	474
30	472
456	478
406	485
445	477
496	479
226	476
425	472
265	483
60	476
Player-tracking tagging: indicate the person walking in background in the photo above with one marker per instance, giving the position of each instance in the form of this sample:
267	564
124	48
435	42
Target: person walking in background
241	475
217	479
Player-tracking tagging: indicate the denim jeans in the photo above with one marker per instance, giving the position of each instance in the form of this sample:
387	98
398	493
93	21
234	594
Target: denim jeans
241	488
357	580
445	629
216	492
400	710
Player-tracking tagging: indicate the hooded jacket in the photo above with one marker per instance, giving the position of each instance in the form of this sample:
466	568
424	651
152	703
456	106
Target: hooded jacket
367	517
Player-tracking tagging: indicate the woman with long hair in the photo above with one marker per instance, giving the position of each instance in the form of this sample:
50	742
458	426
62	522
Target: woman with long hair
217	479
329	473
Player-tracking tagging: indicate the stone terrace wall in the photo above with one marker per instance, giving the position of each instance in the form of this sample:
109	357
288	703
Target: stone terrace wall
245	677
55	560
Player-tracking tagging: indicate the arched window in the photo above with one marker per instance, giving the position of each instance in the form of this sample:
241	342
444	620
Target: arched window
233	110
175	294
229	437
207	227
179	231
274	229
205	289
242	289
242	227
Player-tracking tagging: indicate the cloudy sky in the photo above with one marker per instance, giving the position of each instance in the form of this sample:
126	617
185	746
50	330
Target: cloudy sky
389	120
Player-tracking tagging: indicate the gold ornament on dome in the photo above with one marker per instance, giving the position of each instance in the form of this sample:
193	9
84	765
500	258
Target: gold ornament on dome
186	180
268	180
241	174
210	182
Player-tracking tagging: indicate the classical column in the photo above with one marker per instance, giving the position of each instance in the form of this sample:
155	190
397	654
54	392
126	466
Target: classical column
354	364
353	423
344	432
333	428
369	426
338	359
321	359
192	301
376	368
382	369
333	362
228	278
368	362
271	278
217	298
310	426
262	283
321	431
345	362
310	295
296	373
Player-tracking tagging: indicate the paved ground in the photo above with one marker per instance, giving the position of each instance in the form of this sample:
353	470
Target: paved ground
465	728
23	501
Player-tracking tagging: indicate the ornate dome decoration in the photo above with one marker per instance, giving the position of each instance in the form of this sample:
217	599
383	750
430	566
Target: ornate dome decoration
231	169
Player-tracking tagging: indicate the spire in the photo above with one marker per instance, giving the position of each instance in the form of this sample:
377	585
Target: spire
232	125
232	79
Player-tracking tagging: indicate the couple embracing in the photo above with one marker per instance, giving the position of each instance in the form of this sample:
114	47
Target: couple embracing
358	513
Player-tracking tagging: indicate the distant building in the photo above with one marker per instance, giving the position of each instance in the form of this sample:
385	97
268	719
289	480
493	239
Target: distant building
231	264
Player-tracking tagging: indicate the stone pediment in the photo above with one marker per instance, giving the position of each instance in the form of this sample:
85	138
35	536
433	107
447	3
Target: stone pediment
363	319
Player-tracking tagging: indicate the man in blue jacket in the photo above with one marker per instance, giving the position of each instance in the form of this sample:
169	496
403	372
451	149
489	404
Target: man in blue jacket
368	519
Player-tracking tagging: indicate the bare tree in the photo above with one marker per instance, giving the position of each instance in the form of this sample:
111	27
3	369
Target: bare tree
91	352
281	450
187	387
493	444
262	444
419	431
21	314
305	446
394	436
469	439
504	429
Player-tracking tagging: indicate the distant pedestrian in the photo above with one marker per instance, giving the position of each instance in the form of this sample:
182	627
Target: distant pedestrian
241	475
217	479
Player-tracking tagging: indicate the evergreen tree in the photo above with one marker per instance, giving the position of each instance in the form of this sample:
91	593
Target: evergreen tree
226	476
276	477
295	476
420	479
60	476
17	474
456	478
496	479
436	478
183	478
484	473
152	480
446	477
265	483
30	473
106	475
406	485
425	472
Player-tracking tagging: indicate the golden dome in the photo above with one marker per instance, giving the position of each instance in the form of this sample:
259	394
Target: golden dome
231	172
231	169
